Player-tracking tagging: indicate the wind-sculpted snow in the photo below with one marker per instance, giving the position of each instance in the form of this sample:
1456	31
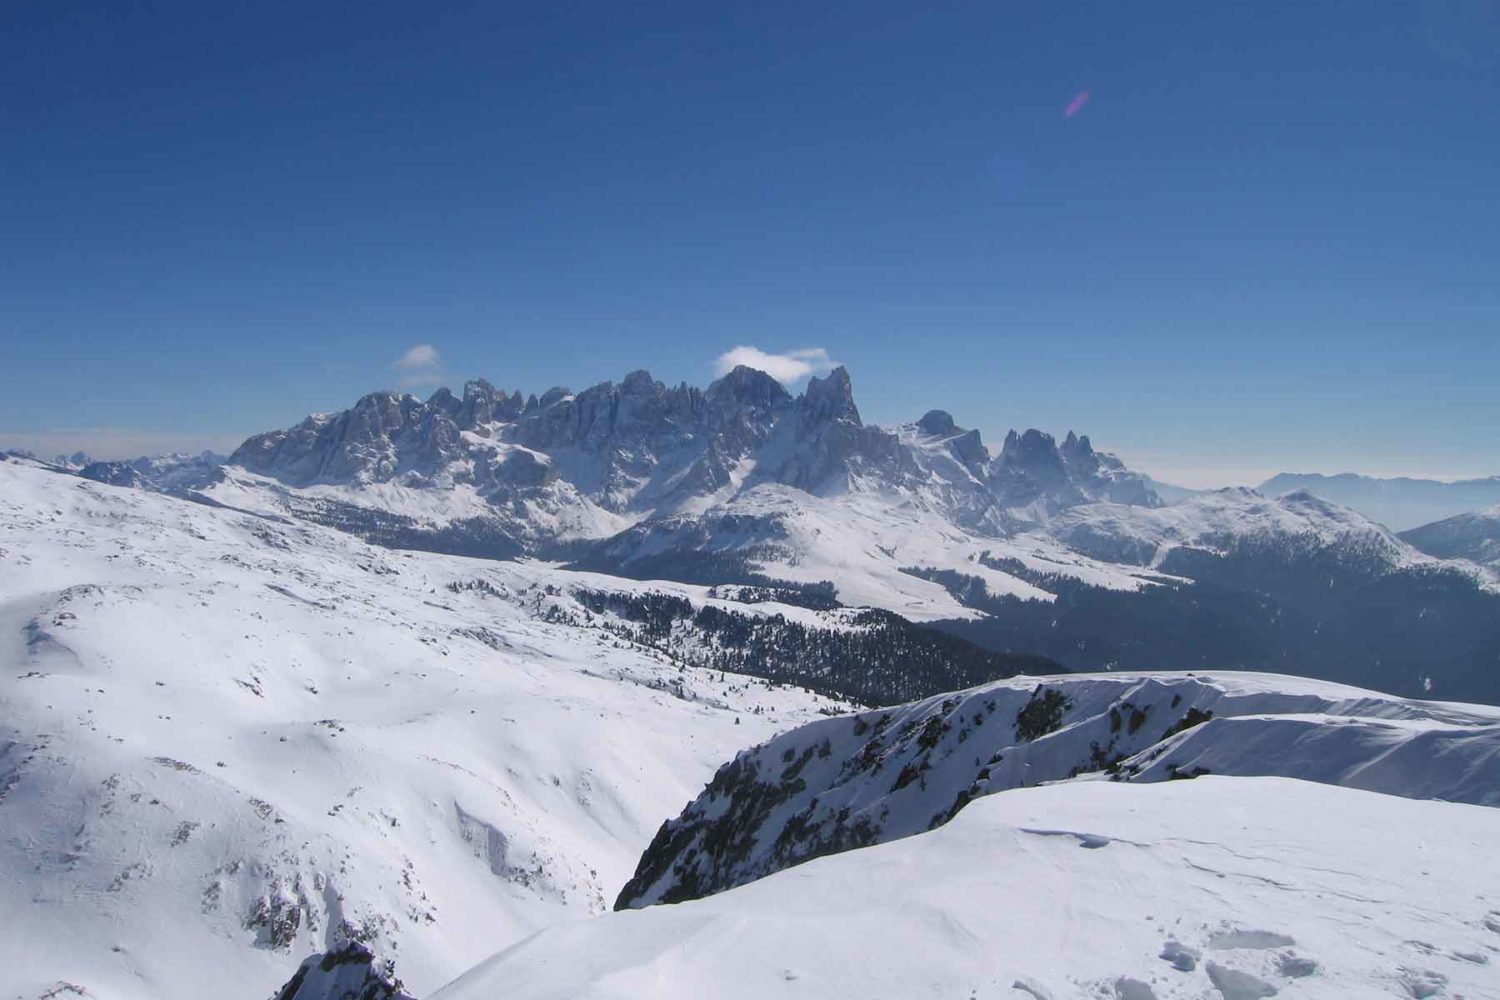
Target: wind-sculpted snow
228	742
1214	889
843	783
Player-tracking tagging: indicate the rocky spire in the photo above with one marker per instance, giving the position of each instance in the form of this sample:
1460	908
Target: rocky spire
831	398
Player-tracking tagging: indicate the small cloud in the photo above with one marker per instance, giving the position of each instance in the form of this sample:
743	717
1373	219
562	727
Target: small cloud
793	366
419	366
1077	104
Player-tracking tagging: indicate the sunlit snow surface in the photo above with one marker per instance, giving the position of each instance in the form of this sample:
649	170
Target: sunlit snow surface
226	738
223	737
1233	888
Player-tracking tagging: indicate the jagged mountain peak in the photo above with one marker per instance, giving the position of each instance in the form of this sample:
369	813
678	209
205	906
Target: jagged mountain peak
554	395
831	397
743	384
640	382
1031	447
1076	447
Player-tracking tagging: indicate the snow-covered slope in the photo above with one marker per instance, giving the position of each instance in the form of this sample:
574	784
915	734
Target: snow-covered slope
1474	536
1230	521
1222	888
227	742
864	545
838	784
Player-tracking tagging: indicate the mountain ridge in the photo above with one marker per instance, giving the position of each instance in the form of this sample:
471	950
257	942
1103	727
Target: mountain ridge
1400	503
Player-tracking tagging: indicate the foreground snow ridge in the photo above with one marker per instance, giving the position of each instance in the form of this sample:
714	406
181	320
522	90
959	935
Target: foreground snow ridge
843	783
1232	888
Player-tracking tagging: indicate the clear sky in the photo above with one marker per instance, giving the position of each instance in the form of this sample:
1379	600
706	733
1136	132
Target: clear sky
1224	239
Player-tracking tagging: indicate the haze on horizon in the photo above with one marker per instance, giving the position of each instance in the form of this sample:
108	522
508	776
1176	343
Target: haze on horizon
1259	240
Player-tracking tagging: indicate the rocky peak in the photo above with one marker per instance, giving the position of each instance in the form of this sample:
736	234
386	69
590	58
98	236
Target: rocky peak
445	401
970	449
1030	468
745	386
478	406
831	398
477	389
640	383
555	395
964	445
1078	454
1033	450
938	423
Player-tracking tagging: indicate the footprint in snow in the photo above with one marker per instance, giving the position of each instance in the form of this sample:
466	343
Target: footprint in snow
1133	989
1229	940
1295	966
1233	984
1183	958
1032	988
1422	983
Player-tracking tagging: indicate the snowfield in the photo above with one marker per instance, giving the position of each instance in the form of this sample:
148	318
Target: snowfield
1223	888
228	742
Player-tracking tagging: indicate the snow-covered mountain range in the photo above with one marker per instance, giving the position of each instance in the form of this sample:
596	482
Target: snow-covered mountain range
563	466
1040	547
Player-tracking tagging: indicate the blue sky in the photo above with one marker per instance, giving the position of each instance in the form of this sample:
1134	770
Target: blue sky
1269	238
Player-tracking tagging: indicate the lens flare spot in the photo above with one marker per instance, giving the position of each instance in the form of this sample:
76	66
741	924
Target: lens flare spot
1076	104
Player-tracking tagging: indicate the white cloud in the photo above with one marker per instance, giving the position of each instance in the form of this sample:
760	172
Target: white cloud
419	366
793	366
